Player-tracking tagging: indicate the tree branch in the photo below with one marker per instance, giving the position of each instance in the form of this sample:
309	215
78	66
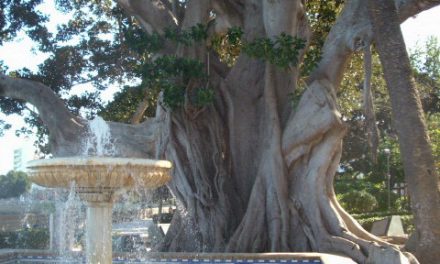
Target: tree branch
409	8
63	126
228	14
177	8
67	131
140	110
197	11
352	32
152	14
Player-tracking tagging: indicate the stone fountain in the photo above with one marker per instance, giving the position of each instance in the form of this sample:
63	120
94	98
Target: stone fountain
97	180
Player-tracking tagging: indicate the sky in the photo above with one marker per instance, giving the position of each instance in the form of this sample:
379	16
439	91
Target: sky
20	53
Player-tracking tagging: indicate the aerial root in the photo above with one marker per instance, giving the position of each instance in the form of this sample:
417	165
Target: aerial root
335	244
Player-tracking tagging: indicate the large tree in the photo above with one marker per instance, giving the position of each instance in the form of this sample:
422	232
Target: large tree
252	173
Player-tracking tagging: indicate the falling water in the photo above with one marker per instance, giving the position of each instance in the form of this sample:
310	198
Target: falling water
99	141
70	216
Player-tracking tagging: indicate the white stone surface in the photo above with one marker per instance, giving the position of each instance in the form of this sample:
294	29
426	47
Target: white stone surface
99	172
99	233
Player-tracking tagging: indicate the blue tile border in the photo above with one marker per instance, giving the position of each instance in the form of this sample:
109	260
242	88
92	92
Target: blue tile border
12	256
53	259
217	261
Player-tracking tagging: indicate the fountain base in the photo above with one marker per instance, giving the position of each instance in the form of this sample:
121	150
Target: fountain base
99	233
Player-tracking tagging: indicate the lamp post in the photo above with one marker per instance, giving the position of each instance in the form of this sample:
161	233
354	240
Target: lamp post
388	153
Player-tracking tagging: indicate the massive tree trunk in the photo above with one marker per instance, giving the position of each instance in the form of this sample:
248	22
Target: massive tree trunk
418	161
251	173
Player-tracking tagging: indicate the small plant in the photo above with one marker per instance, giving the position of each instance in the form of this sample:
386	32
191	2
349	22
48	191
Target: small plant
282	52
196	33
27	238
173	96
204	96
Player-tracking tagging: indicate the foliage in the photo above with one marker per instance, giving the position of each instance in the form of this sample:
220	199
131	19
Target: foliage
3	127
321	16
101	46
355	162
171	75
228	46
88	62
402	204
283	51
188	37
22	15
161	74
361	195
426	62
358	201
80	52
13	184
125	102
28	238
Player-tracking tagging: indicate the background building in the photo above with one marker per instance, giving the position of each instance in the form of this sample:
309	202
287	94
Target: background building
23	154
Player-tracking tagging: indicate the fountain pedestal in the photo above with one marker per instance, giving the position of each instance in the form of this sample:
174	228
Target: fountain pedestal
99	232
96	181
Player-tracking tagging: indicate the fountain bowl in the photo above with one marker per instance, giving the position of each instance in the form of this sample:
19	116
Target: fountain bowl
99	172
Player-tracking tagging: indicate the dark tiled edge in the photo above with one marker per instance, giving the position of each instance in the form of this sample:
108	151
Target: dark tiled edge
204	258
7	256
223	256
234	257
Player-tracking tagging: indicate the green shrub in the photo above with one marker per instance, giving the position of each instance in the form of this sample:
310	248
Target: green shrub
402	204
408	223
13	184
8	239
358	201
29	238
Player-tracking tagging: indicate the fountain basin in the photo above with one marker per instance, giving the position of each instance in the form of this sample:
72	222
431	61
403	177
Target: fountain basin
97	178
99	172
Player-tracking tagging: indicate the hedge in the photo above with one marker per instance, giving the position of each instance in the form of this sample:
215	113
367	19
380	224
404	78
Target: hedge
29	238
